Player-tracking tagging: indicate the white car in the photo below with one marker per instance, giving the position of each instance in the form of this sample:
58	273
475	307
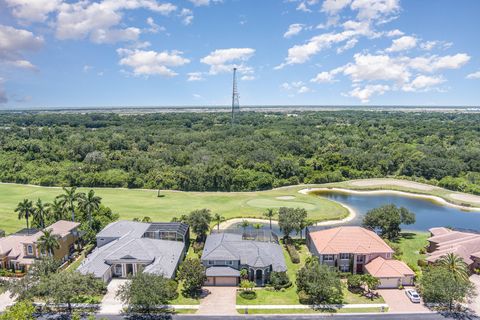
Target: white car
413	295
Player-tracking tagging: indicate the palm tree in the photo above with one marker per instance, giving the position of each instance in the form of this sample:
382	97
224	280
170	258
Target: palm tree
147	219
218	219
455	265
88	204
48	242
245	224
270	213
40	213
69	198
25	210
257	226
56	210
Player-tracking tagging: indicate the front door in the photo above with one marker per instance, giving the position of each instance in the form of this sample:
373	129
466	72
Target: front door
129	268
359	268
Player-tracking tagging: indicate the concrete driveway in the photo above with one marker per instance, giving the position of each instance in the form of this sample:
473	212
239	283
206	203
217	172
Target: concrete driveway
475	304
398	301
219	301
110	303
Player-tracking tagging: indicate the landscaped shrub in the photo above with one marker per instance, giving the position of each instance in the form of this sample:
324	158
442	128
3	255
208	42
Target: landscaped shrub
249	295
294	256
198	246
423	251
303	297
279	280
354	281
422	263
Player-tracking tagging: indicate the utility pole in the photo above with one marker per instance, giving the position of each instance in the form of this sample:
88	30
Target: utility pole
235	96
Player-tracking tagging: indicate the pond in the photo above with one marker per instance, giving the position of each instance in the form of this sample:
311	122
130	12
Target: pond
428	212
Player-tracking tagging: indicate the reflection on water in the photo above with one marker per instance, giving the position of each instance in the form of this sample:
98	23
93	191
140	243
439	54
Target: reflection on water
428	213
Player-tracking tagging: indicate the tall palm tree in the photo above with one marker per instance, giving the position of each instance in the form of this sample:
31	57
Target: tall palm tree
25	210
56	210
218	219
48	242
69	198
455	265
40	213
88	204
270	213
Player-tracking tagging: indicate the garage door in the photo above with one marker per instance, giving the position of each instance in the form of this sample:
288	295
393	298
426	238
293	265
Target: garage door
225	281
388	283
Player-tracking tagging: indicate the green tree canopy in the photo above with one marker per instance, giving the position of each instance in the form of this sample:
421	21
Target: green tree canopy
291	219
192	273
388	219
199	221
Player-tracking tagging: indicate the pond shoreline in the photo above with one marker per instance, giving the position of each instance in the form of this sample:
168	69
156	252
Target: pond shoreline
437	199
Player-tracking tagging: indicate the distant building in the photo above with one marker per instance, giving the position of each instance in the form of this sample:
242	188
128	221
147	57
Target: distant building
125	247
358	250
225	254
464	244
19	250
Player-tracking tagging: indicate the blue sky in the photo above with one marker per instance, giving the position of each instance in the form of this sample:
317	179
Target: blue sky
81	53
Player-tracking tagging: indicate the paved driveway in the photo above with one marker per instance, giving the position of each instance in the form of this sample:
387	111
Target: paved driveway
398	301
5	301
475	305
219	301
110	303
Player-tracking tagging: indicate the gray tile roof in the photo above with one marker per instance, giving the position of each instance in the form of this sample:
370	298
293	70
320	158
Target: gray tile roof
222	272
227	246
161	256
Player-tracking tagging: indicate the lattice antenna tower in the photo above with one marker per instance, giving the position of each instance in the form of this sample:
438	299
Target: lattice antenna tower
235	96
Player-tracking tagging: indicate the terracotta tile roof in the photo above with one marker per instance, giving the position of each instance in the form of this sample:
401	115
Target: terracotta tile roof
348	240
439	231
62	227
464	244
381	268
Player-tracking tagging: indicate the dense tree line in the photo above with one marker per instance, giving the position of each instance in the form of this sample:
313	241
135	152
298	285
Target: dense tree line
202	151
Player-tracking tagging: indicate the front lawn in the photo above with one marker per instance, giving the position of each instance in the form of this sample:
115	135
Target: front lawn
310	311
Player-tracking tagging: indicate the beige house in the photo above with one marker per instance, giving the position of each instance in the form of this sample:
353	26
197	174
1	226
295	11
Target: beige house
359	250
464	244
19	250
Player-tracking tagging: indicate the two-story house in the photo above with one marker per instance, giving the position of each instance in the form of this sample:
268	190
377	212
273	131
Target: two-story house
125	247
358	250
19	250
225	254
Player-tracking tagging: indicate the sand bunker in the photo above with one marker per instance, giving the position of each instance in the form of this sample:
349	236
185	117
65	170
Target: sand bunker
391	182
465	197
285	198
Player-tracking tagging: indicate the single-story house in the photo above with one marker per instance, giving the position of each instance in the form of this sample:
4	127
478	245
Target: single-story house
125	247
359	250
464	244
225	254
19	250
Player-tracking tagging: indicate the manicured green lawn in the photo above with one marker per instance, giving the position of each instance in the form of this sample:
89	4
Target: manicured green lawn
131	203
411	243
309	311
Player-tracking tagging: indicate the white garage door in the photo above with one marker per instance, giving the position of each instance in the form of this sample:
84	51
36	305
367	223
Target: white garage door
388	283
225	281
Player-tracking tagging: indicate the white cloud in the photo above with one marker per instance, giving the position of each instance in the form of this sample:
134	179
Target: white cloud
474	75
154	28
435	63
403	43
195	76
293	30
99	20
303	7
297	86
33	10
151	62
327	76
187	16
376	67
199	3
349	45
334	6
14	42
364	94
423	82
247	78
375	9
224	60
394	33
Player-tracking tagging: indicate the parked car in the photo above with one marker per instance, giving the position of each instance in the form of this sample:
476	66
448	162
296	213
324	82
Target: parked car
413	295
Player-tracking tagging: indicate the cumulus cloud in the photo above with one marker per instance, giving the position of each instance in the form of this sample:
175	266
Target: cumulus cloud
199	3
32	10
394	33
151	62
435	63
99	20
293	30
195	76
334	6
224	60
187	16
14	42
295	86
474	75
364	94
403	43
375	9
423	82
247	78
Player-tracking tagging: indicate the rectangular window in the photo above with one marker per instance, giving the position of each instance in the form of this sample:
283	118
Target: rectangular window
30	249
229	262
344	256
328	257
345	268
360	259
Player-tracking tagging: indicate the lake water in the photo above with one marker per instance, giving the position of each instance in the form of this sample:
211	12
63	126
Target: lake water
428	213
